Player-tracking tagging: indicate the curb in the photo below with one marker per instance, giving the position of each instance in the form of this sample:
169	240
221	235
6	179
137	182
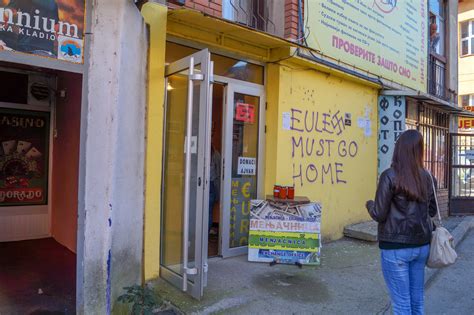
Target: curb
459	233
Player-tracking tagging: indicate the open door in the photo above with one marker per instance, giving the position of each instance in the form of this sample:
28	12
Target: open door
185	173
242	163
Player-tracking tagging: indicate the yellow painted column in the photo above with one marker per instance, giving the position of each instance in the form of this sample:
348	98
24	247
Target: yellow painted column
155	16
272	119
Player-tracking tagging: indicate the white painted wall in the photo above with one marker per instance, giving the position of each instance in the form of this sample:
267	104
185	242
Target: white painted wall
112	156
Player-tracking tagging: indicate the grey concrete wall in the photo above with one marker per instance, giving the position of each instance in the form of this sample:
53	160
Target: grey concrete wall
112	156
452	45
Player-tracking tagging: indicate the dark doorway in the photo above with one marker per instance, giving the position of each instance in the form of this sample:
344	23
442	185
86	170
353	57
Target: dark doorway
39	165
215	169
462	174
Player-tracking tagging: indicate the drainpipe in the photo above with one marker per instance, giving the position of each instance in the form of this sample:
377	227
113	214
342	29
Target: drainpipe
300	23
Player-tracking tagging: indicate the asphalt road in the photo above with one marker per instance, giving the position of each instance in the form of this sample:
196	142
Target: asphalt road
452	290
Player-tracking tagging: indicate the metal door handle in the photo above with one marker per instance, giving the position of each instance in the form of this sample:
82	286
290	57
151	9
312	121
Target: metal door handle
187	174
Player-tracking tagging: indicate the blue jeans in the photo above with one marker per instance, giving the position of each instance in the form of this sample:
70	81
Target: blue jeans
404	274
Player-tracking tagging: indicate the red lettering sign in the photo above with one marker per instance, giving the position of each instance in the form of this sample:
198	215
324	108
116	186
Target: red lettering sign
466	123
245	113
468	108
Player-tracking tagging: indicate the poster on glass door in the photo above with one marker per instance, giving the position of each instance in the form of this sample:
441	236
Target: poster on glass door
284	233
24	152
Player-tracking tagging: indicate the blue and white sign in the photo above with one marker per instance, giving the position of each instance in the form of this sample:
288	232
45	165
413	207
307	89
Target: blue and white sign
392	113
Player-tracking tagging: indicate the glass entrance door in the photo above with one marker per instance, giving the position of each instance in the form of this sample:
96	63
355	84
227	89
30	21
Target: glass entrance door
242	163
185	174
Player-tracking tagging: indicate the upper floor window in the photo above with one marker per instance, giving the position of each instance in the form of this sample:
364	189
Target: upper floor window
257	14
467	100
437	27
467	38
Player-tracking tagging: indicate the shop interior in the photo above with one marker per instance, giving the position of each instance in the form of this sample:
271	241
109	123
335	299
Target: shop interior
216	163
40	114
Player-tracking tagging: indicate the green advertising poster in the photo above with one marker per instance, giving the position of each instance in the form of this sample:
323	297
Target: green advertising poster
243	190
285	232
24	157
284	241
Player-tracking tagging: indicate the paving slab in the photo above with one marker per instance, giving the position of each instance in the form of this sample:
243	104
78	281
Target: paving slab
348	281
366	231
451	290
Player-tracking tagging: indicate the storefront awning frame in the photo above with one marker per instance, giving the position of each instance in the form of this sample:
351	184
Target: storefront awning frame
243	42
431	100
219	33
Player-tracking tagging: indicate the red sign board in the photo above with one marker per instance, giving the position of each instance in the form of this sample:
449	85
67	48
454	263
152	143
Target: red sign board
468	108
466	123
245	113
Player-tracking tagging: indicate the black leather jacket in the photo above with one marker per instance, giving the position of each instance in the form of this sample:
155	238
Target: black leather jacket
401	220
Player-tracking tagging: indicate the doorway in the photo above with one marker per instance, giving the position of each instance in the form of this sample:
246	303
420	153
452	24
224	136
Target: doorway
215	169
235	138
462	179
242	162
39	154
207	187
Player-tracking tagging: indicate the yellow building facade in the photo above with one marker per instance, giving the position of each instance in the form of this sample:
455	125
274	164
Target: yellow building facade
317	131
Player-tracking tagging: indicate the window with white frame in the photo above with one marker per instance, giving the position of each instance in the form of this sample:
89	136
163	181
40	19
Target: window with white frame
467	100
437	26
467	38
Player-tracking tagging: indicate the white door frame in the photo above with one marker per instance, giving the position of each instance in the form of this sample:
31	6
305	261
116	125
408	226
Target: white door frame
237	86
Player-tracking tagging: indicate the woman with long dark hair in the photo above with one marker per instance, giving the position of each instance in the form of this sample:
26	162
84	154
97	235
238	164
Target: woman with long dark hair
403	205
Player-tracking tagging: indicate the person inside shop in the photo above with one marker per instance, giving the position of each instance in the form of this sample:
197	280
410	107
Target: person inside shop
215	171
403	207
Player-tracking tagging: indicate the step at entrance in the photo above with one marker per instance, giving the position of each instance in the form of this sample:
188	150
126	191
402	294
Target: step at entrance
366	231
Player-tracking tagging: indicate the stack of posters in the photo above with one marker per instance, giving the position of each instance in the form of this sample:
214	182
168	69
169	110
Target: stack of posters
283	232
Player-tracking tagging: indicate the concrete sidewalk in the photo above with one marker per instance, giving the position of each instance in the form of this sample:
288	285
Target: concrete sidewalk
349	281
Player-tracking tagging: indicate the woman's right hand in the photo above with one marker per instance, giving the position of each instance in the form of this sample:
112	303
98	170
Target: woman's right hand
369	204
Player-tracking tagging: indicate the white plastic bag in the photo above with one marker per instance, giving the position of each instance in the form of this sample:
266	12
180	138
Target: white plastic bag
442	253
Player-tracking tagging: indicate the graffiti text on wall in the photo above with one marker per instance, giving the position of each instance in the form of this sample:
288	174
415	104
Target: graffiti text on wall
315	137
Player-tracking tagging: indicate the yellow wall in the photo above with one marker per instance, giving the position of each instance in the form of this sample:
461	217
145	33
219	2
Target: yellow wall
466	64
343	183
287	89
155	15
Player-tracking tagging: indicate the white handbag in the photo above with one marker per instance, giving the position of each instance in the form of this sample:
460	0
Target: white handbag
442	253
